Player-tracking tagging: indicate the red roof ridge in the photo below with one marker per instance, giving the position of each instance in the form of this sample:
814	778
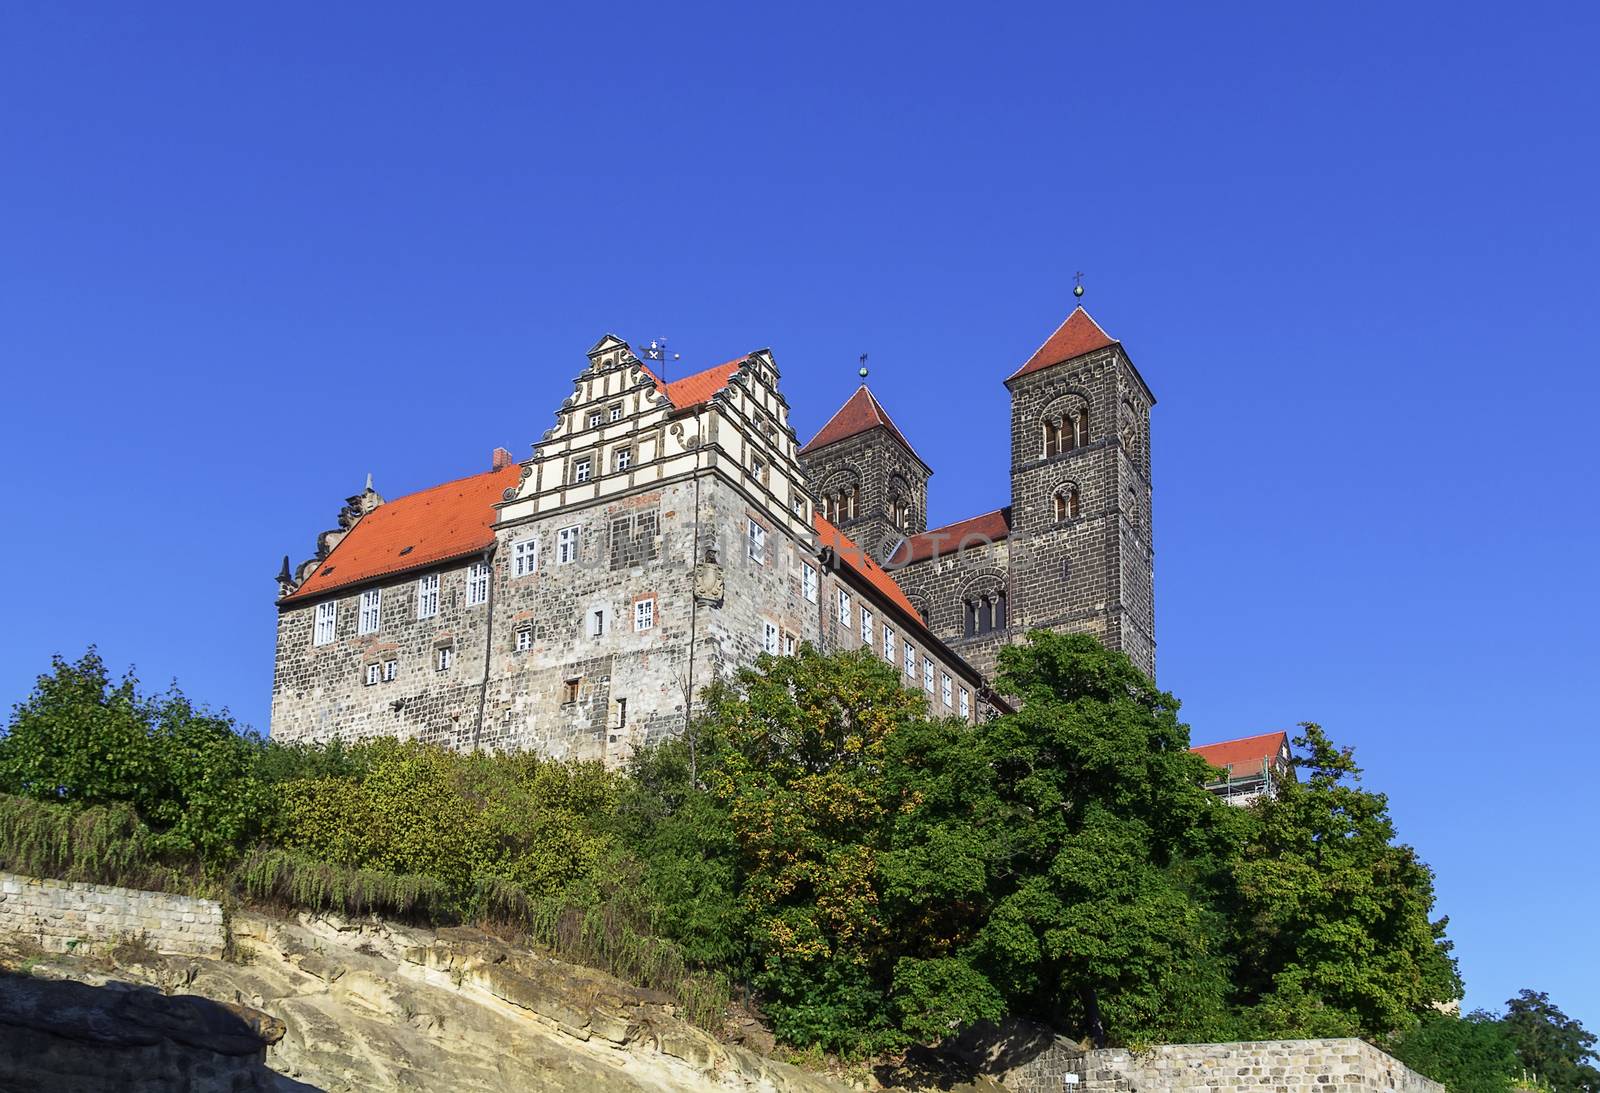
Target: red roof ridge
1078	334
697	387
1246	749
987	526
435	525
849	554
861	412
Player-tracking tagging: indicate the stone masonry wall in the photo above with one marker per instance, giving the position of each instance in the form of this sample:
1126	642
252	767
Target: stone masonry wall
65	916
1282	1066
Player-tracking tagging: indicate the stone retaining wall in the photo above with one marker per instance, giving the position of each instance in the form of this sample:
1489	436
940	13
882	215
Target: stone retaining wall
1290	1066
65	916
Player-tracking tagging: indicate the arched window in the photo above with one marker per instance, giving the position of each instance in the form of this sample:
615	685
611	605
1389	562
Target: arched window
1067	504
983	613
1066	428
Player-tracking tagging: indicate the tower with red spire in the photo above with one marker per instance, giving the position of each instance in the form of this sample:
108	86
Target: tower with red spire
867	478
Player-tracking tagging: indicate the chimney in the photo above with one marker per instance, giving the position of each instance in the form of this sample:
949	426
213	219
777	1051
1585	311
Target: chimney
500	459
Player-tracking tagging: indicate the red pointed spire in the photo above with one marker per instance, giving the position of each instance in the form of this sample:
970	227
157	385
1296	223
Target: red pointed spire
1078	335
861	411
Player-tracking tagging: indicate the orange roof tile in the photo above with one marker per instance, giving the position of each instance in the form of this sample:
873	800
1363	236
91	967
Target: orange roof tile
991	527
860	412
1078	335
697	388
1246	755
862	564
453	520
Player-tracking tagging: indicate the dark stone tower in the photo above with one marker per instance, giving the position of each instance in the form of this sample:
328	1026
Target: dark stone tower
1080	550
867	478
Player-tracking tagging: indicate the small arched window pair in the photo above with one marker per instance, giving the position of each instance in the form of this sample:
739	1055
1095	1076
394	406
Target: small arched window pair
1064	432
841	504
984	614
1067	505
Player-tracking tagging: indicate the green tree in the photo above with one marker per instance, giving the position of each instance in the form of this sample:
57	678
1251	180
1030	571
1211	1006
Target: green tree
1331	931
1103	921
1472	1054
82	739
1550	1044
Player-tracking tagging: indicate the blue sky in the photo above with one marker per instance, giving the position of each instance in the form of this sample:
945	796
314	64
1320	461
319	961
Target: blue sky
247	256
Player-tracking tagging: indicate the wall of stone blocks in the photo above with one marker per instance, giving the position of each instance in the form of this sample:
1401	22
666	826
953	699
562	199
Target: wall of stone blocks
1281	1066
871	460
66	916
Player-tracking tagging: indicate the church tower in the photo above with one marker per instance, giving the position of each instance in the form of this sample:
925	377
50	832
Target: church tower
1081	559
867	478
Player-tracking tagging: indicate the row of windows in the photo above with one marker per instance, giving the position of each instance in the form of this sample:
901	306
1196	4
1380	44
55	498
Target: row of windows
846	610
583	466
388	671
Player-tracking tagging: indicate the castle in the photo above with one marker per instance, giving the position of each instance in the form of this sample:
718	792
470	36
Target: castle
665	533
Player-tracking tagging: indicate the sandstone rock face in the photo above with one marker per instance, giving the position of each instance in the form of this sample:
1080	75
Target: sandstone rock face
323	1003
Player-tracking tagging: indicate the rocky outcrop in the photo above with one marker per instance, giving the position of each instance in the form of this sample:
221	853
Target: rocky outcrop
59	1034
373	1006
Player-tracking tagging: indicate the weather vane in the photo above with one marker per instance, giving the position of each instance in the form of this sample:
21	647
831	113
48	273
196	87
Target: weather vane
863	371
657	351
1077	289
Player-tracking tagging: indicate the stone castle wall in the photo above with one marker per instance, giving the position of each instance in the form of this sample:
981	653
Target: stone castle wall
1280	1066
562	690
66	916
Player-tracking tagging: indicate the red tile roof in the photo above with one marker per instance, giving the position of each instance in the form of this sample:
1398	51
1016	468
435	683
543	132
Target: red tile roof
991	527
1078	335
693	390
432	525
1247	755
862	564
860	412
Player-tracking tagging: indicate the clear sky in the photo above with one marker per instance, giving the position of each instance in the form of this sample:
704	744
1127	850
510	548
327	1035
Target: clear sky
248	255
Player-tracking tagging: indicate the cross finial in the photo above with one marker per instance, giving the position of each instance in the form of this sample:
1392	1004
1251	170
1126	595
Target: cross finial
1077	288
863	370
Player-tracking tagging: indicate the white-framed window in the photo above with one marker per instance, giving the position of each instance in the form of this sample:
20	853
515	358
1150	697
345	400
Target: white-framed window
597	622
443	657
927	675
866	627
374	673
622	459
582	469
524	640
844	608
888	645
798	505
966	703
911	660
788	644
371	611
428	596
594	419
327	622
945	689
525	556
615	413
644	615
808	581
769	637
567	545
477	583
758	467
755	541
391	670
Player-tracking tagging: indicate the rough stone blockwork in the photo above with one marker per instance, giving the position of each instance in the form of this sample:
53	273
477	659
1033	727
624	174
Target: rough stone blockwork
1289	1066
63	916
